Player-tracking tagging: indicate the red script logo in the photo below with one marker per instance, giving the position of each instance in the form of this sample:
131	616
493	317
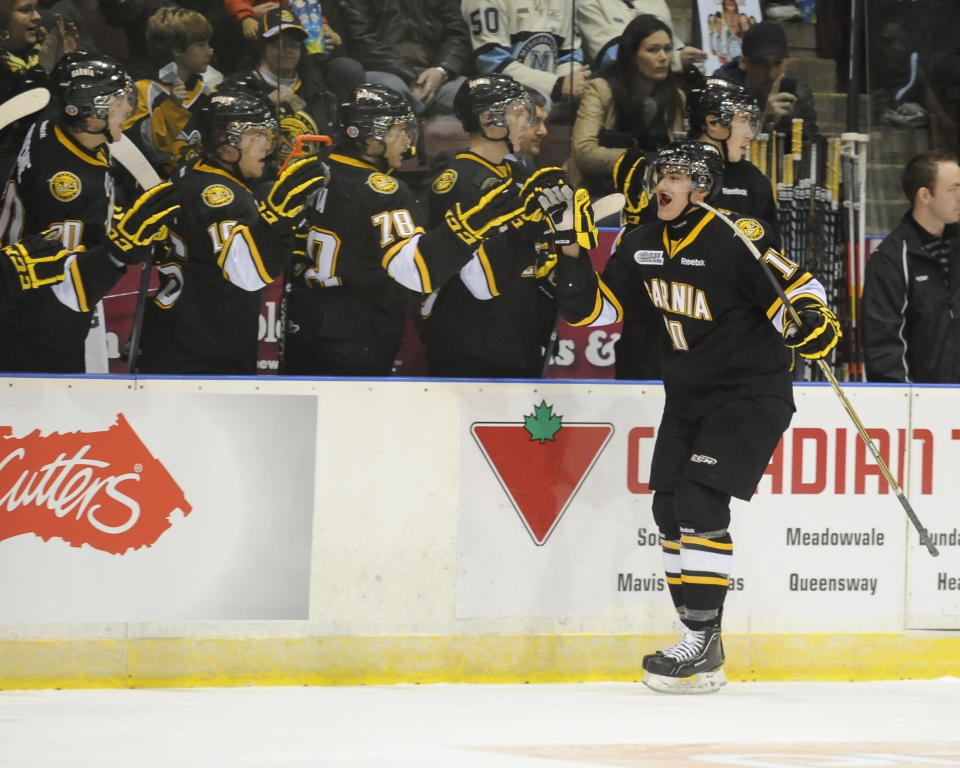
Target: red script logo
104	489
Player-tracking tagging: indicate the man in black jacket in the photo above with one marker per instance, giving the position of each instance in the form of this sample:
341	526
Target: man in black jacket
419	48
911	297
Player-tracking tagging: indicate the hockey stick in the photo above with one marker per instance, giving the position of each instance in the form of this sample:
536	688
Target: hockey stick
23	104
828	373
126	153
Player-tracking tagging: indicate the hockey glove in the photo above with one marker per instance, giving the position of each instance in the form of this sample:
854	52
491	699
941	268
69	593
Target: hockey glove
494	208
37	260
134	230
534	186
569	215
818	333
630	179
293	189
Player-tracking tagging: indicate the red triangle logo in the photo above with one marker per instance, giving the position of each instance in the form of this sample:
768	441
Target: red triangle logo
541	476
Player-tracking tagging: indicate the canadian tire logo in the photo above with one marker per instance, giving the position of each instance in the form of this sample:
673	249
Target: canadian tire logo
103	489
541	463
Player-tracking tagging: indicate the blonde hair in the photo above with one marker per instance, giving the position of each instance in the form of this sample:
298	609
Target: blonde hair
174	29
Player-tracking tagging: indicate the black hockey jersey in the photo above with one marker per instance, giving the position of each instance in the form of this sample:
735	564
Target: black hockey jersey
366	249
204	318
56	184
722	318
494	319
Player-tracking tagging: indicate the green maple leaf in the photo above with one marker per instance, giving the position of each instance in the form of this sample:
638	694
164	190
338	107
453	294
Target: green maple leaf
542	424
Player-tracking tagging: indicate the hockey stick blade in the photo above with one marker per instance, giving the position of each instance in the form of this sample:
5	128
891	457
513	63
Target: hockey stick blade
126	153
23	104
925	539
608	205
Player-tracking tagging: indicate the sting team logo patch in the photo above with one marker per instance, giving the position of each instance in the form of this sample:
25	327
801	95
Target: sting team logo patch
444	182
541	463
380	182
751	228
65	186
649	257
100	489
217	196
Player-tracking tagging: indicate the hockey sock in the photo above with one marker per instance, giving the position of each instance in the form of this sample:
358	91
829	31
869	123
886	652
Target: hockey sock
671	568
706	560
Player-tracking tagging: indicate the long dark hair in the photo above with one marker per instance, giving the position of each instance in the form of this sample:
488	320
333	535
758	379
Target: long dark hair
649	131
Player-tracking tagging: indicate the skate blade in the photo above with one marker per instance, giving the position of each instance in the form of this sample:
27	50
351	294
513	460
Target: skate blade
704	682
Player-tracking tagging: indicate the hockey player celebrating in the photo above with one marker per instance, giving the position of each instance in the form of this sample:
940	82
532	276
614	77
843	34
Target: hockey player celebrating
493	320
367	248
227	247
724	114
726	377
62	181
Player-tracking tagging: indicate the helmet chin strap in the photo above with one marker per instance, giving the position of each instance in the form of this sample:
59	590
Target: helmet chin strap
505	138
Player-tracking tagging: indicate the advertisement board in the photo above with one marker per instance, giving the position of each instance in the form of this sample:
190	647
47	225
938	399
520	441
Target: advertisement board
122	505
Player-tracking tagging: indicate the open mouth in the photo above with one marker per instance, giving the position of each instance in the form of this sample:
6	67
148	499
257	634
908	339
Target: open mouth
663	199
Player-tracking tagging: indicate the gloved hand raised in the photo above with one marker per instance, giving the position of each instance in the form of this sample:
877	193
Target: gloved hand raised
473	221
133	230
818	333
292	190
630	179
567	212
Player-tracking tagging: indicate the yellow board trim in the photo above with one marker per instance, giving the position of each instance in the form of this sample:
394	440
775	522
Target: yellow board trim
179	662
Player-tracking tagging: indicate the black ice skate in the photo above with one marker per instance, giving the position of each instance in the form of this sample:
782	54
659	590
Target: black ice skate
693	665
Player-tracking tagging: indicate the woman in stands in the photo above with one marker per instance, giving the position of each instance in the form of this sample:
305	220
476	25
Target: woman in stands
633	103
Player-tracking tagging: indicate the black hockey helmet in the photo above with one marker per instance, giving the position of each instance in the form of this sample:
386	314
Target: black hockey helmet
225	116
85	84
489	93
724	99
701	161
371	111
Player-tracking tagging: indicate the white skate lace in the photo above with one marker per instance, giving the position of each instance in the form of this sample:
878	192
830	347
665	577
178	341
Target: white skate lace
688	646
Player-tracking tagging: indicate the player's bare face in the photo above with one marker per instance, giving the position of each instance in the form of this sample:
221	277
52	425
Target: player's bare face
533	136
520	118
24	25
256	146
120	110
195	58
673	192
398	140
945	195
741	132
653	56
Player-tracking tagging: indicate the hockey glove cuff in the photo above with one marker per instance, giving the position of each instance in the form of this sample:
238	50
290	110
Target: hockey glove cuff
495	207
532	188
292	190
38	261
133	230
630	179
818	333
577	226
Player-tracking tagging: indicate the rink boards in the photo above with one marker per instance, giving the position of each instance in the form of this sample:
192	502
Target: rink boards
187	532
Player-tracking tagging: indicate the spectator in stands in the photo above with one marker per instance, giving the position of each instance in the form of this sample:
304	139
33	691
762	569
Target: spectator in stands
761	68
164	124
525	154
602	22
634	103
341	73
544	52
911	297
283	74
27	54
418	49
69	14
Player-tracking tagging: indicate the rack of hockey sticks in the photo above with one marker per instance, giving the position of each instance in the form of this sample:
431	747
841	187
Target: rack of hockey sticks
820	188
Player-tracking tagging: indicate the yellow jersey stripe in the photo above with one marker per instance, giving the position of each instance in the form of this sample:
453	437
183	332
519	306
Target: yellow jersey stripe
806	277
503	171
488	270
668	544
206	168
425	283
99	159
78	286
674	248
725	545
394	249
353	161
611	298
675	582
597	308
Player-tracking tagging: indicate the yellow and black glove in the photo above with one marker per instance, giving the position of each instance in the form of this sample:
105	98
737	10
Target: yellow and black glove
568	214
630	179
534	185
495	207
37	260
819	329
293	189
133	230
